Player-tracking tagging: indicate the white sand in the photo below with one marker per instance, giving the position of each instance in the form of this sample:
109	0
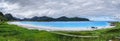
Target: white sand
55	28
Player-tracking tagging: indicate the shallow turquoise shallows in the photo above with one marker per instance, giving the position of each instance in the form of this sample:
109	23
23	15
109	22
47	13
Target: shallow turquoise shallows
81	24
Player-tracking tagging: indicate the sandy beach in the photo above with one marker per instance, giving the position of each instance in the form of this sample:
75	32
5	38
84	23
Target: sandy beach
28	26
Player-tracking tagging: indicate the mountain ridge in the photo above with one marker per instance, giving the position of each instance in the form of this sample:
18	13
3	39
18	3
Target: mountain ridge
9	17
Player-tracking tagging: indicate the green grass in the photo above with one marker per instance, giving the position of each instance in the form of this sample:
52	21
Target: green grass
104	34
16	33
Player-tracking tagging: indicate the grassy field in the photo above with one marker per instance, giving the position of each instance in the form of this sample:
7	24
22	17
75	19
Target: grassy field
16	33
104	34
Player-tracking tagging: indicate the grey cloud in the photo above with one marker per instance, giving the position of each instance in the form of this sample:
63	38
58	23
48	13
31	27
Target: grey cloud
69	8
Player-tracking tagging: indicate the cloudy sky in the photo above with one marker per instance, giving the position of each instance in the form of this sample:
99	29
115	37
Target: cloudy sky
92	9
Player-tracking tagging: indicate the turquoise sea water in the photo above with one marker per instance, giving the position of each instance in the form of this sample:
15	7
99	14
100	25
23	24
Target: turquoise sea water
80	24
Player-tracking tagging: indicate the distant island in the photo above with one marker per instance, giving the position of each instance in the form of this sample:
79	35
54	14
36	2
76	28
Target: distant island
43	18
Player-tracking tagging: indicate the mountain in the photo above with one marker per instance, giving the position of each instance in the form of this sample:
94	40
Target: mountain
2	18
9	17
1	14
63	18
43	18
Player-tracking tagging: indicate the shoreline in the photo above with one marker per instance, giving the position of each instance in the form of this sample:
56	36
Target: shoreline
28	26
